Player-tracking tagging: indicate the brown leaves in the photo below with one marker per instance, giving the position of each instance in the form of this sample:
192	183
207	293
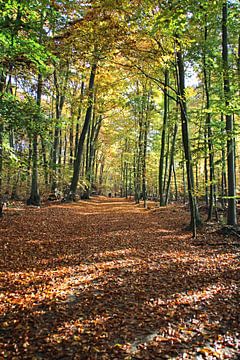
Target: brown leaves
105	279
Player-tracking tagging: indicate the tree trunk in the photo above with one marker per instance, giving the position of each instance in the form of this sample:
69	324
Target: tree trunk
138	180
195	219
92	150
138	165
45	163
71	140
2	87
57	142
232	214
223	163
126	179
206	177
56	136
175	182
209	131
171	166
165	118
101	172
145	139
1	154
77	163
34	198
79	118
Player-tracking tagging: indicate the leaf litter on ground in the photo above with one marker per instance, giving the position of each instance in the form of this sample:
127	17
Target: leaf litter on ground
106	279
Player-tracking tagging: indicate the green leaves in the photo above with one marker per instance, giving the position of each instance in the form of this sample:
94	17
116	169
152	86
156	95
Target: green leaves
22	114
23	33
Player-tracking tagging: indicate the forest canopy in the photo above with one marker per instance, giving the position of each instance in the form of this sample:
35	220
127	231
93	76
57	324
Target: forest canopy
136	98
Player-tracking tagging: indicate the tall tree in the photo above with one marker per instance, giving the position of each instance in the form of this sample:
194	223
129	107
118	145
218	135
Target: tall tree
164	128
77	163
231	173
195	218
209	134
34	198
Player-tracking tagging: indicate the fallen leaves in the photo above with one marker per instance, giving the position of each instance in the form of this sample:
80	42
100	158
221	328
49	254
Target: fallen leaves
105	279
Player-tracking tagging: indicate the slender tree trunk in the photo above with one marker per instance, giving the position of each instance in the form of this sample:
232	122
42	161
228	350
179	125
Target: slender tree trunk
29	161
165	118
171	165
166	163
196	177
57	143
135	175
232	214
56	136
79	118
195	219
2	81
92	151
34	198
206	168
126	178
2	87
144	175
1	155
145	140
71	137
87	164
101	172
130	181
92	138
139	152
45	163
139	162
175	182
60	151
65	149
224	173
209	130
87	150
77	162
184	182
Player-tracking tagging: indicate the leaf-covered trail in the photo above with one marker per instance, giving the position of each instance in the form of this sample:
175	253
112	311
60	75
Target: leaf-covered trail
106	279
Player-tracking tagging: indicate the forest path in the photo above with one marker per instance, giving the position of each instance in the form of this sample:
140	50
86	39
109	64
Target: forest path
106	279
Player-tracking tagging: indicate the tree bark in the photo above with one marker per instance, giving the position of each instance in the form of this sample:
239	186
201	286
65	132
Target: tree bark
195	219
209	131
45	162
57	142
71	137
145	140
165	118
79	118
138	189
171	165
231	214
34	198
74	182
2	90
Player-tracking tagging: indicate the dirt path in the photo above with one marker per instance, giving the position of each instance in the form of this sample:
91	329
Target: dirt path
106	279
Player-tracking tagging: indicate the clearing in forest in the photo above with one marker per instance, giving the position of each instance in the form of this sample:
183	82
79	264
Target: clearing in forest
106	279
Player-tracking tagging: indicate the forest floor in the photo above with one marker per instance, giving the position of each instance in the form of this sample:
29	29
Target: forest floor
106	279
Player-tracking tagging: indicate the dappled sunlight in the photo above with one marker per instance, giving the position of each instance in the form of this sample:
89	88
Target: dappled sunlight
121	204
127	283
192	297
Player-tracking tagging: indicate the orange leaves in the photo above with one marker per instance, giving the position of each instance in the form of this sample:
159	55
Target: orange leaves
105	279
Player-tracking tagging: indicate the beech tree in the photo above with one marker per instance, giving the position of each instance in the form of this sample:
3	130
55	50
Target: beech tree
231	218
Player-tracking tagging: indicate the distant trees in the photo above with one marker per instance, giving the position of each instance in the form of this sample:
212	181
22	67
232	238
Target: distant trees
91	99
